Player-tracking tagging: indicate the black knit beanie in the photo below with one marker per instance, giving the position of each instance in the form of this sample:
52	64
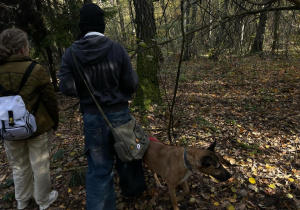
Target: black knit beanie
91	18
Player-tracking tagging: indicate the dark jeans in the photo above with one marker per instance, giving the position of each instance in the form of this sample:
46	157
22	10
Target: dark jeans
100	189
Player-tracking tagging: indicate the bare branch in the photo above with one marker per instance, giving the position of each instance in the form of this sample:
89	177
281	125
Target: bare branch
6	7
267	2
296	2
264	2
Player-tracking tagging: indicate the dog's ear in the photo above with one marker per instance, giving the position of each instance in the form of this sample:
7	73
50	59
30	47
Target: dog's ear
212	146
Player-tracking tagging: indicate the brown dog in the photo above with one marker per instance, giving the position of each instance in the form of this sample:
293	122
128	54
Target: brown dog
176	164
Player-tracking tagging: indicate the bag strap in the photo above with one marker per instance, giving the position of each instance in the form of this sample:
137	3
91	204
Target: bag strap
26	75
23	81
1	89
90	91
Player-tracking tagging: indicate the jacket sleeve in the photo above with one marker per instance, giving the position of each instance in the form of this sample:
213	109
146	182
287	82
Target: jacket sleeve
67	82
48	96
129	80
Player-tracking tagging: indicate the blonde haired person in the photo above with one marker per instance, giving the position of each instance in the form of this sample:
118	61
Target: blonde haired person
29	158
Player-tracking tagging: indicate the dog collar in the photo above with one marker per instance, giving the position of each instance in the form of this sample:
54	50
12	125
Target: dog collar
186	162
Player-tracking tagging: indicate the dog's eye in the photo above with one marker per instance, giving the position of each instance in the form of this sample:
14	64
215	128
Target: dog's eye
207	165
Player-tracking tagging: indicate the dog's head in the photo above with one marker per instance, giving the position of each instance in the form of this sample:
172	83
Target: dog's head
210	164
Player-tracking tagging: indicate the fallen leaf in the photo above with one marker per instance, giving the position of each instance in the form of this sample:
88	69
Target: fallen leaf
233	189
217	203
231	207
192	200
2	177
272	186
252	180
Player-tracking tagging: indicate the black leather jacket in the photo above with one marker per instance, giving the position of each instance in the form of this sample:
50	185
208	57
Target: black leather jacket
107	67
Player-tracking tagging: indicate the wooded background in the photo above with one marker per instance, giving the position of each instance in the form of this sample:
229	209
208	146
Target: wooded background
152	31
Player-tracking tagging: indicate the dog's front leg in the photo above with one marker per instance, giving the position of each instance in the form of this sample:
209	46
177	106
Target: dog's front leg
186	189
157	182
173	196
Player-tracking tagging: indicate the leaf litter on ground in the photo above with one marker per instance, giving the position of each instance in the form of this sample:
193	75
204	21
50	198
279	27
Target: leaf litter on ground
250	106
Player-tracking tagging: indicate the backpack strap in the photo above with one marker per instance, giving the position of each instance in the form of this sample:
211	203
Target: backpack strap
23	82
26	75
1	89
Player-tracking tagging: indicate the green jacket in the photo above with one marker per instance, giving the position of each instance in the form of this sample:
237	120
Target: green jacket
37	87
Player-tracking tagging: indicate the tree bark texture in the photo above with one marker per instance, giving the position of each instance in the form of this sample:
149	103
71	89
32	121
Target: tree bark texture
275	43
147	61
259	38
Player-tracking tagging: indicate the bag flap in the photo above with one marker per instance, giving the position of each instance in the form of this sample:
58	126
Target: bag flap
12	103
133	136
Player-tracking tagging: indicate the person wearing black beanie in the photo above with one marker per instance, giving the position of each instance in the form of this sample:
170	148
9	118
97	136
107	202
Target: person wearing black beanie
91	18
108	70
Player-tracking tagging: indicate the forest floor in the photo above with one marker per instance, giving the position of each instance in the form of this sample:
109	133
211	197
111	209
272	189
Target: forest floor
250	105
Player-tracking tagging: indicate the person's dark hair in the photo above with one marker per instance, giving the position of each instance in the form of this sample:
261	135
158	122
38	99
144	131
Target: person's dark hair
11	42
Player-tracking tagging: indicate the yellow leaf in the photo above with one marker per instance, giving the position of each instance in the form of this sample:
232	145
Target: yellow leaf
2	178
252	180
291	180
217	203
290	196
69	190
72	153
58	176
272	186
58	134
193	200
233	189
231	207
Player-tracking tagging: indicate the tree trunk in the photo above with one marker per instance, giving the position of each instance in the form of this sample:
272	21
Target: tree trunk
275	43
259	38
147	61
42	33
122	24
186	15
220	36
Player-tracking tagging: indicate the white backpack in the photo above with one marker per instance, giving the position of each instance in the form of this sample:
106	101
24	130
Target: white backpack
16	123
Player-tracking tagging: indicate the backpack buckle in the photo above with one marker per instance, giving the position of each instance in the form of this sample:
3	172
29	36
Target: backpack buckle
11	118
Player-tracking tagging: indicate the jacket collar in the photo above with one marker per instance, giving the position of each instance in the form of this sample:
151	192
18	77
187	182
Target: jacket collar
16	58
94	33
